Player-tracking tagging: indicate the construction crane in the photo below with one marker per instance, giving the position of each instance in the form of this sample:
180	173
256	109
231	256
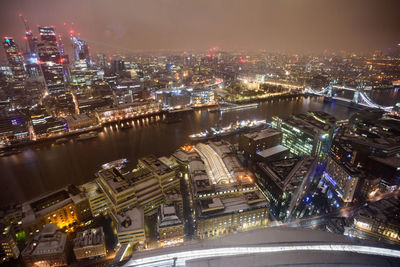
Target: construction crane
28	35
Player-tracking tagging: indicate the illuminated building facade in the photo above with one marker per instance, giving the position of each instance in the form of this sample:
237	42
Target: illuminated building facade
81	75
146	186
8	244
97	199
51	61
15	60
46	125
13	128
283	182
174	99
252	143
130	226
203	97
48	248
90	244
306	134
221	216
81	49
343	179
169	226
64	207
224	194
130	110
379	220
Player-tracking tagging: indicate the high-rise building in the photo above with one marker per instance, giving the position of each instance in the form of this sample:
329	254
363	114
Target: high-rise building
283	181
51	61
31	40
306	134
47	34
342	178
15	59
81	49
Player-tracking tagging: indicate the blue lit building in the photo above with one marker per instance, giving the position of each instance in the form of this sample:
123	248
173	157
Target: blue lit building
342	179
13	129
81	49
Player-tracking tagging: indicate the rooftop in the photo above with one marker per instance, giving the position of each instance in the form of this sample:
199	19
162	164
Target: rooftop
272	151
48	241
168	216
155	165
265	133
130	220
49	202
219	207
89	237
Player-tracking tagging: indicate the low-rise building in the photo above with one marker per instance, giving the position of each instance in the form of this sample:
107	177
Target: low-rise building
130	226
48	248
80	121
90	244
224	194
221	216
8	244
65	207
169	225
378	220
252	143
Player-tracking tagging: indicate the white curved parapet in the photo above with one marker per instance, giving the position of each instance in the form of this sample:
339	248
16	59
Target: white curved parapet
180	258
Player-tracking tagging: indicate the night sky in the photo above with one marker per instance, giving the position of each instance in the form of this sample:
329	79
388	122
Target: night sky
286	26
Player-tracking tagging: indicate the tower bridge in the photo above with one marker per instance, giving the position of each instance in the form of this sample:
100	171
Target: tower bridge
360	96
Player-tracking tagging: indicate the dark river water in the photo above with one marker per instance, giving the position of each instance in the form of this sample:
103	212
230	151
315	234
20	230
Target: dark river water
49	166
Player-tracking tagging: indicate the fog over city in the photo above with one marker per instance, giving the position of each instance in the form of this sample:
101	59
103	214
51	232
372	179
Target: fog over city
294	26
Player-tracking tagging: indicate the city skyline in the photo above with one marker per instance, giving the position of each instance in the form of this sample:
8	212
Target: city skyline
182	133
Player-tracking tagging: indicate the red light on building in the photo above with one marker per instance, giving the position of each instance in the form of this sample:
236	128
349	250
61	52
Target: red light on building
26	38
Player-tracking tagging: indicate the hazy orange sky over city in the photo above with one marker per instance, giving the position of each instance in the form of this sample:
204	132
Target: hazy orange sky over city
295	26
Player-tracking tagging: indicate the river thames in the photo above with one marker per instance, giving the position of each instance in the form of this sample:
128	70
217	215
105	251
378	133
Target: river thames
48	166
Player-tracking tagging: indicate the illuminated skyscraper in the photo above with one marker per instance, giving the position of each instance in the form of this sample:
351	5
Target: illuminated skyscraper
47	34
15	59
81	49
51	61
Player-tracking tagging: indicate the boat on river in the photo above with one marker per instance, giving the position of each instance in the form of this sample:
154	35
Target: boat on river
10	153
233	128
119	164
62	140
87	136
